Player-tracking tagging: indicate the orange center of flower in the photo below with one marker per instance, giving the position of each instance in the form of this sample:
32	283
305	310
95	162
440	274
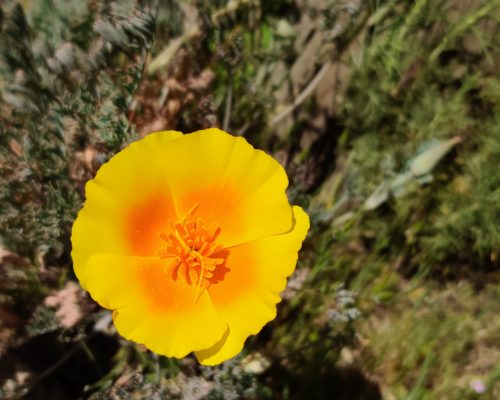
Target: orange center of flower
192	246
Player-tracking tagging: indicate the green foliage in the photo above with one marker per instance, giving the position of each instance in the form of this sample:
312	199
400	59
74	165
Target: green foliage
52	116
427	92
65	84
435	75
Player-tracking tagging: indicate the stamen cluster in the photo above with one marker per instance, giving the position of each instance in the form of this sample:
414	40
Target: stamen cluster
193	248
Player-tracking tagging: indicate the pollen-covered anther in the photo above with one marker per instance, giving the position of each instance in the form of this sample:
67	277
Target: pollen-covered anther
193	249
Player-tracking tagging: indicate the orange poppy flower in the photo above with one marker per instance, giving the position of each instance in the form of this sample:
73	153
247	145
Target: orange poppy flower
189	240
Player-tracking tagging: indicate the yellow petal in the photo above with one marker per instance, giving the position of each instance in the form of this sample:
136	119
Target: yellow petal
248	295
238	188
125	204
168	316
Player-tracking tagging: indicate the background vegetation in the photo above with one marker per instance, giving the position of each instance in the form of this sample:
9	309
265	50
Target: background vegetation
386	115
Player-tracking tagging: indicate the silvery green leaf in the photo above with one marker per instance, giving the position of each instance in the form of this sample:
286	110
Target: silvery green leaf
424	179
377	198
344	218
399	184
425	162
